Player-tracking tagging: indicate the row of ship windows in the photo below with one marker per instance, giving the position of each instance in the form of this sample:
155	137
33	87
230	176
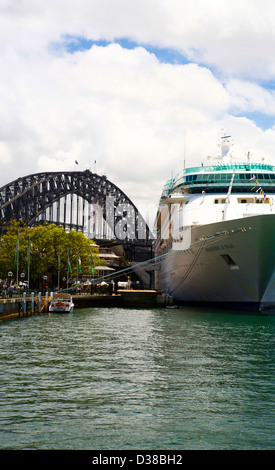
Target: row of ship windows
224	189
227	177
248	200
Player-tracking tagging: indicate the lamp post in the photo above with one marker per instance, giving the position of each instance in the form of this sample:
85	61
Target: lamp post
10	274
9	290
45	279
22	275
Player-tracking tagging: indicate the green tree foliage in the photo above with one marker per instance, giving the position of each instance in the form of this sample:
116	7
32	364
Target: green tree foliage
49	244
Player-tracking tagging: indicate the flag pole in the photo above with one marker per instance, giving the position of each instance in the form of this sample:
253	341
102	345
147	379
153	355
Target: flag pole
69	268
29	247
58	267
17	259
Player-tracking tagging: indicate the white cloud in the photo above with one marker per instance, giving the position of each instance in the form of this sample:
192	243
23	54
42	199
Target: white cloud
236	37
251	97
5	156
123	108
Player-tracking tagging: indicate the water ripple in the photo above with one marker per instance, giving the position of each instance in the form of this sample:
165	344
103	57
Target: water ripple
138	379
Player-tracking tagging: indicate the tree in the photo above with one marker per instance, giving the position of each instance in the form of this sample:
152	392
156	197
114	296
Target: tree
44	249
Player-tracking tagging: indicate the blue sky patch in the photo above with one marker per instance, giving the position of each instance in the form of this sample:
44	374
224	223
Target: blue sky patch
264	121
73	44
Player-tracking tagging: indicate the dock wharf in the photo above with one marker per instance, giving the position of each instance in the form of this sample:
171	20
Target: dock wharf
36	304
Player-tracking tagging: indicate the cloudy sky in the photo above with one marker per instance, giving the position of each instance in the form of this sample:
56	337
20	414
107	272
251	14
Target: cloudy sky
133	85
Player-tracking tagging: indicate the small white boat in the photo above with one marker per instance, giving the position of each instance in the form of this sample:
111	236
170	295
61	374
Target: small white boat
61	303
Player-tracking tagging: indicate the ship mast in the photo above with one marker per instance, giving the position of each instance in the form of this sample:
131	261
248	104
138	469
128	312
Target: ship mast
228	196
225	144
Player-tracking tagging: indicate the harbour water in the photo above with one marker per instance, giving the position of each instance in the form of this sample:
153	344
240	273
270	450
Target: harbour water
107	379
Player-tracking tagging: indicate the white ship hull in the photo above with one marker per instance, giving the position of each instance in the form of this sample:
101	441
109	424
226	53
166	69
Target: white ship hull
229	263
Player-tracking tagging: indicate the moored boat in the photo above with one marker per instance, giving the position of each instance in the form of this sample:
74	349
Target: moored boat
61	303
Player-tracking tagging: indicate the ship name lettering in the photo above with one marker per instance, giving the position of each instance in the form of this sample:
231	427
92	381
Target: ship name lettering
212	248
222	247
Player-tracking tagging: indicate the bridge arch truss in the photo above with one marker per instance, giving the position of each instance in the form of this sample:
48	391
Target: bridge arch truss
81	201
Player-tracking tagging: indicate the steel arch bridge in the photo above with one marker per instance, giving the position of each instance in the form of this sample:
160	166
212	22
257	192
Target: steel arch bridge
81	201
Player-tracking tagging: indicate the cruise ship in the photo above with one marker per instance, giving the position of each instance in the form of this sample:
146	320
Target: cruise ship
215	234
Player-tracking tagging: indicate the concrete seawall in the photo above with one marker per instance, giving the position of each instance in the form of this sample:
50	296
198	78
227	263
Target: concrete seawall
12	308
124	299
9	308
